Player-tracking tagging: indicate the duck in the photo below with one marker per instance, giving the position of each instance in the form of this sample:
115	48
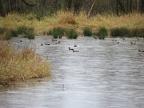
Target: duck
141	50
47	44
133	43
54	39
75	50
75	45
71	48
117	42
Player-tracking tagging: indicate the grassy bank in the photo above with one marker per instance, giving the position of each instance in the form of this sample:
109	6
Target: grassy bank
69	20
21	65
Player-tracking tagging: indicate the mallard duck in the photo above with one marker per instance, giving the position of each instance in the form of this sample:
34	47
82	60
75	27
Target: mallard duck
71	48
141	50
47	44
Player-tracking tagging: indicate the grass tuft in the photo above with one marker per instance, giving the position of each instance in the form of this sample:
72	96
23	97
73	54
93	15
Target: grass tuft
87	32
21	29
21	65
71	34
58	32
29	33
102	33
137	32
115	32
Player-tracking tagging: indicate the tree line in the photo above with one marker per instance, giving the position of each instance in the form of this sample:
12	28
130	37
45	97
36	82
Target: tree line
92	7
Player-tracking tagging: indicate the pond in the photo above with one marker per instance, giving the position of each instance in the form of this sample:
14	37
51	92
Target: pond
102	74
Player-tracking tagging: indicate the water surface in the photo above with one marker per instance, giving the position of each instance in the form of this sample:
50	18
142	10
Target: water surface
103	74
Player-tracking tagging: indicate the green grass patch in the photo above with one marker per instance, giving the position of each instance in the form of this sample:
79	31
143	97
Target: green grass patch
138	32
102	33
116	32
58	32
21	29
71	34
22	65
14	33
87	32
29	33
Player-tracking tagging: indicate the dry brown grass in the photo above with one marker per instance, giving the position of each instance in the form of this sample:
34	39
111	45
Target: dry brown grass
77	22
21	65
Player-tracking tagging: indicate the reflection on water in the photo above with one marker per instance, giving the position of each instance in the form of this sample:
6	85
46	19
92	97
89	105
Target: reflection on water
103	74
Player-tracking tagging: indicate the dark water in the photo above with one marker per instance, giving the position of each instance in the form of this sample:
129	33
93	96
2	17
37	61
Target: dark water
103	74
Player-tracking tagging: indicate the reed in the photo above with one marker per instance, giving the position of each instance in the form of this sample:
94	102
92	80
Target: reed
22	65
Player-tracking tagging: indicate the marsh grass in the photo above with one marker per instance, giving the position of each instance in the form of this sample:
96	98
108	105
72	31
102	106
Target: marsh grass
71	34
58	32
21	30
123	32
21	65
137	32
87	32
71	20
29	33
102	33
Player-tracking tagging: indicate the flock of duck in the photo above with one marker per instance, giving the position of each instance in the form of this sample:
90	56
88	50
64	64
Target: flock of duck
55	40
74	48
132	43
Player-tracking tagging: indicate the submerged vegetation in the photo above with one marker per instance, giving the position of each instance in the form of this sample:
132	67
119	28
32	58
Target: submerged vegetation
21	65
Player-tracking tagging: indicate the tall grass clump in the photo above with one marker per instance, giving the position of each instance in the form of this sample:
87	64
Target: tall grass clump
138	32
87	32
21	29
22	65
102	33
29	33
115	32
71	34
58	32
